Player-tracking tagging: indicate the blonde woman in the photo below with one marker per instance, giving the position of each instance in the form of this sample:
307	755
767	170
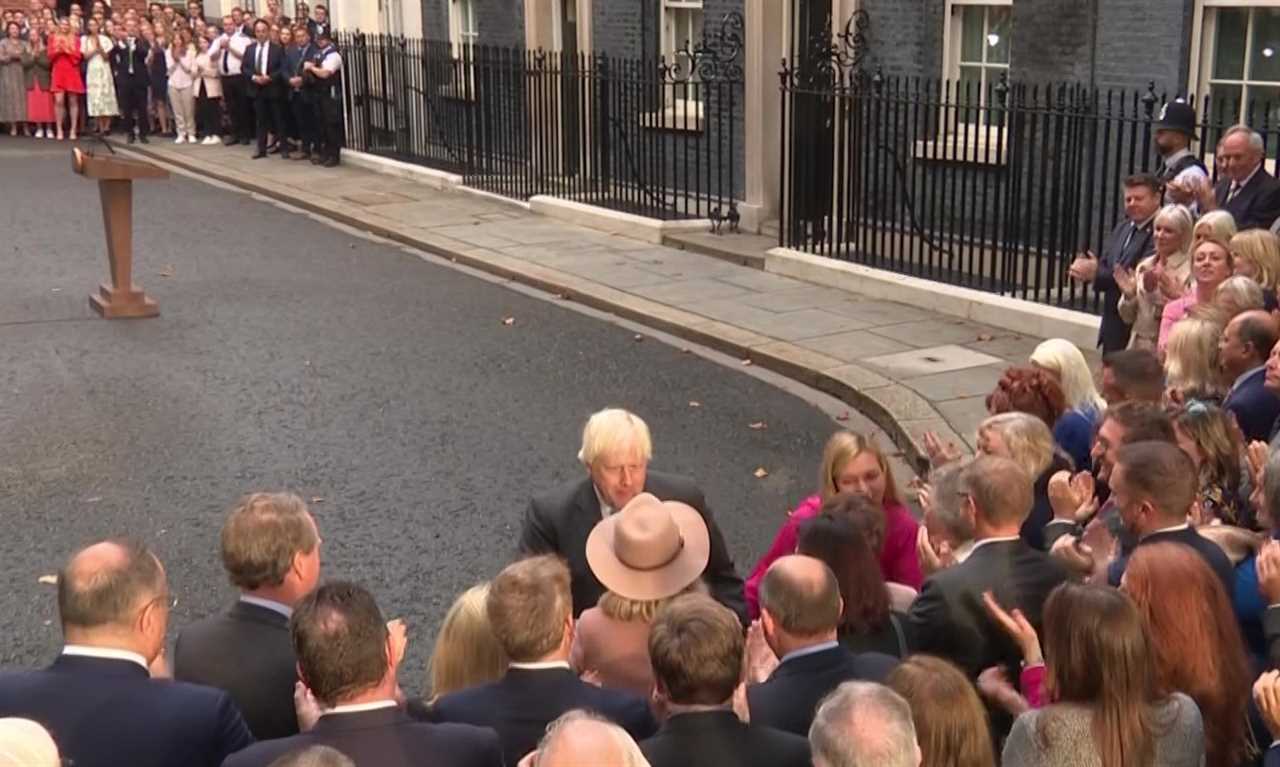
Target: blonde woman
1238	294
1214	225
180	62
1191	356
851	463
466	652
100	84
25	743
1207	435
1255	253
1161	277
1210	267
1074	430
1027	441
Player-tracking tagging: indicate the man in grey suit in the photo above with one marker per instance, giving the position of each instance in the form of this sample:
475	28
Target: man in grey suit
1129	243
271	552
616	448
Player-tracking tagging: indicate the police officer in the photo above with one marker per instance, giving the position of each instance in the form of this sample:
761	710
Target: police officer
301	99
1180	171
325	70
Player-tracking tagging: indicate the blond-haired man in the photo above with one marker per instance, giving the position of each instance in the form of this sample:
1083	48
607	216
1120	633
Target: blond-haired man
271	552
616	449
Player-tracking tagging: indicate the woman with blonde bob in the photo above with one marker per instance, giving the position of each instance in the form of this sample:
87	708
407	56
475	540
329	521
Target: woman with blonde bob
1027	441
466	653
1214	225
851	463
951	722
1255	253
1210	267
1074	430
1191	359
1158	279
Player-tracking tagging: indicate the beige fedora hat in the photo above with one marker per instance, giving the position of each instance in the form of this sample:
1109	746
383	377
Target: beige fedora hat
651	549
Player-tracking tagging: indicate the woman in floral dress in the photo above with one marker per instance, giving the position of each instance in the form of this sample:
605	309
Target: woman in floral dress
99	82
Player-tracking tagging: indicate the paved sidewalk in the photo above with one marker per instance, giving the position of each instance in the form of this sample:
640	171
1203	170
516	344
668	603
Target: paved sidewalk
907	369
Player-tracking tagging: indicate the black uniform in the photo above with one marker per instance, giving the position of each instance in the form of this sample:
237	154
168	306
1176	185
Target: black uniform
328	106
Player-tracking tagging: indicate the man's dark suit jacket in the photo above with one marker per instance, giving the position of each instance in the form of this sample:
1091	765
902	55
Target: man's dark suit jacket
248	652
119	58
1273	757
560	521
385	737
1212	553
275	70
789	698
1257	206
1254	406
720	739
1114	332
949	619
521	704
110	713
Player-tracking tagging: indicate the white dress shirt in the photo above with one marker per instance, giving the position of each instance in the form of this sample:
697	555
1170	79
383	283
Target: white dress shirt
85	651
269	604
355	708
221	52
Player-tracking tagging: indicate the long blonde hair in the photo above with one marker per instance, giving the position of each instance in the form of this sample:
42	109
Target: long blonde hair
844	446
1028	439
1064	359
1259	248
1191	356
466	652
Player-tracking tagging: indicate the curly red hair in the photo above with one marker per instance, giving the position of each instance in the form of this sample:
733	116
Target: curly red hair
1028	390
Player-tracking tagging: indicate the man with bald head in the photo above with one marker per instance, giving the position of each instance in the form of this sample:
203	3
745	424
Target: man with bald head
98	699
949	619
1242	357
1246	190
578	738
800	608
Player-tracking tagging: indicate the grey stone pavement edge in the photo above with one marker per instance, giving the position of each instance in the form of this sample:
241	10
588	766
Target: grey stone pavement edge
907	369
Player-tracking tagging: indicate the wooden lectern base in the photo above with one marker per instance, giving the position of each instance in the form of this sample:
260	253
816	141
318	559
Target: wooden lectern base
122	304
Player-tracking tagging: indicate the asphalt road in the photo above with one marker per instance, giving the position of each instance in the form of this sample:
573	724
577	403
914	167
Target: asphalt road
383	388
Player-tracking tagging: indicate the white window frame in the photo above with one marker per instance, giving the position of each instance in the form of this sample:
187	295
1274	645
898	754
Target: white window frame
679	113
463	36
1203	33
965	142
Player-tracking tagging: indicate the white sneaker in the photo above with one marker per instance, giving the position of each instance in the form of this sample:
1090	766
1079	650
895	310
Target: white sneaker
181	139
40	133
191	139
214	141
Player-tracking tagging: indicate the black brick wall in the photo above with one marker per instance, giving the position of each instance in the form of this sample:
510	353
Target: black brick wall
500	22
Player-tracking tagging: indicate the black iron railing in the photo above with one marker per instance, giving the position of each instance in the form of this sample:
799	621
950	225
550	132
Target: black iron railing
655	137
995	186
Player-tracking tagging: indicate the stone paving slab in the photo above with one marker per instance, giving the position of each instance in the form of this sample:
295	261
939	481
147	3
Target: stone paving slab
908	369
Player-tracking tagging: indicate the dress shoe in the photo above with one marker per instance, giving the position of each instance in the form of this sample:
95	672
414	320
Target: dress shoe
285	156
316	159
332	162
302	156
143	139
274	150
259	155
231	142
132	138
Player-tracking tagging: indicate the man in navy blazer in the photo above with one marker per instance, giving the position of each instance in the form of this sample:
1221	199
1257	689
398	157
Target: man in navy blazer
348	657
1246	191
800	609
98	699
1243	349
264	72
1129	242
531	612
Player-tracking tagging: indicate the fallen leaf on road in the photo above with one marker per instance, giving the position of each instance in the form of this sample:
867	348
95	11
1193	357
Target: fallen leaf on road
746	362
758	425
55	290
94	499
166	271
318	499
637	338
985	337
761	472
508	320
694	403
51	580
844	416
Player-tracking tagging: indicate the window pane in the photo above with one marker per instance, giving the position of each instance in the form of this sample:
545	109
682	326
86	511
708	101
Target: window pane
999	27
1264	63
971	33
1262	106
1228	45
1224	104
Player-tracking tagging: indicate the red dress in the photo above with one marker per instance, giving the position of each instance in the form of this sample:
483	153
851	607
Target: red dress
66	65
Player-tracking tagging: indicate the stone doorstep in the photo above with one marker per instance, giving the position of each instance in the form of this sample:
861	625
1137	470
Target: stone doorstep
890	405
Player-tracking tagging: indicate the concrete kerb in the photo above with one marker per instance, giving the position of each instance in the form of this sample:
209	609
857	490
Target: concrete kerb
966	303
611	221
780	357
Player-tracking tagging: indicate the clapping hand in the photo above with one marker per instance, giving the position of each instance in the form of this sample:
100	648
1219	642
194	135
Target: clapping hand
1125	280
1180	192
1072	495
996	687
1170	287
932	560
1016	625
939	453
758	660
1074	554
1266	693
305	706
1084	268
1269	572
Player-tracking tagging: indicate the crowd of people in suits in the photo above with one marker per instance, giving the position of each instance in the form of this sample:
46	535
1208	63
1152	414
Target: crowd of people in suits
1117	615
273	82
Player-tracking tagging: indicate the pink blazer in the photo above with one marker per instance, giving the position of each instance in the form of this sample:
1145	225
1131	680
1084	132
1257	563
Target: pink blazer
898	560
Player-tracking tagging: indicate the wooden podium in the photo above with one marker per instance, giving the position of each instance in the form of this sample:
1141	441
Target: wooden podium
122	298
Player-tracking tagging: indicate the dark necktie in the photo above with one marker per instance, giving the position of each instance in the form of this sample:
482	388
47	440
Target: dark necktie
226	57
1235	190
130	55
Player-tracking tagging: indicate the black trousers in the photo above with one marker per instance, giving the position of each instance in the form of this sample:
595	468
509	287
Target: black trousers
132	93
268	110
307	121
208	117
239	107
329	110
